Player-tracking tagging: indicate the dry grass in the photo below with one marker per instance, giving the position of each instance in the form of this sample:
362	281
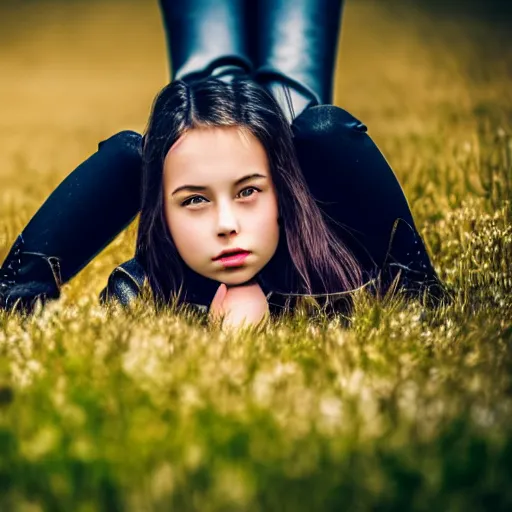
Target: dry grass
406	410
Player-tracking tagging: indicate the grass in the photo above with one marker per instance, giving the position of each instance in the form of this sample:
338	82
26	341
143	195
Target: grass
405	410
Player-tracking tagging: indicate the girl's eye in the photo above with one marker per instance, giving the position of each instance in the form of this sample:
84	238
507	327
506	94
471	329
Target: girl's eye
249	188
190	199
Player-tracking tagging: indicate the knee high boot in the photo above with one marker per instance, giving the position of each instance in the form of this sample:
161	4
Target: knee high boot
83	214
295	50
206	38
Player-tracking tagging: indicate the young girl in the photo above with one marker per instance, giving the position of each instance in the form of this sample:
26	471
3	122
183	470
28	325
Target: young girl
362	203
220	174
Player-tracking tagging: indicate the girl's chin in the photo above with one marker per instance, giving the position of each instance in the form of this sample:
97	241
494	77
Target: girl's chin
244	283
241	280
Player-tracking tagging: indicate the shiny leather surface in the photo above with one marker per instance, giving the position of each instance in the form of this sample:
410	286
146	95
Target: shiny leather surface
124	283
296	46
291	45
205	34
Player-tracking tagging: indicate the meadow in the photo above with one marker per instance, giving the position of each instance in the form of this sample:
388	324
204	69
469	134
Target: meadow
404	409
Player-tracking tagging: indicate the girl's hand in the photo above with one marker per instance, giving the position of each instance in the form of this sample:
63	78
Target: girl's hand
239	305
216	309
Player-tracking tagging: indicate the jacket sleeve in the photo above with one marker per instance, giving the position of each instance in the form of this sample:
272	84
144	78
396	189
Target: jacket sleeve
124	283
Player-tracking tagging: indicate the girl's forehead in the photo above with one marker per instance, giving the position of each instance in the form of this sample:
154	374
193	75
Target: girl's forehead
215	135
215	149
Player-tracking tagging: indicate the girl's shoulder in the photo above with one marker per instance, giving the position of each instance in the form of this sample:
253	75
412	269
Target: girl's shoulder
126	282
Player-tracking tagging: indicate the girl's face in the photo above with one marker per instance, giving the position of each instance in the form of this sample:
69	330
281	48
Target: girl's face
219	195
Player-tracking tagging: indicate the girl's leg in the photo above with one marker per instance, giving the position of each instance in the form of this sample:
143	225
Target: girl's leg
84	213
295	49
206	37
362	198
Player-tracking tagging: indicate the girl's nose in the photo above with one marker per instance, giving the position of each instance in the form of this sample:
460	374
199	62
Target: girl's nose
227	220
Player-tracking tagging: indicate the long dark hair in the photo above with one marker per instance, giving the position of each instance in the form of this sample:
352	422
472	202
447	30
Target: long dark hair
309	258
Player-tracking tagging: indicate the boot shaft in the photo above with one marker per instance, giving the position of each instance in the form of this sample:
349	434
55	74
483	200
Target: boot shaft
203	35
290	45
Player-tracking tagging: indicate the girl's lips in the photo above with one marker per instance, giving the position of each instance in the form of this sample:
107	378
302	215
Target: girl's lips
233	260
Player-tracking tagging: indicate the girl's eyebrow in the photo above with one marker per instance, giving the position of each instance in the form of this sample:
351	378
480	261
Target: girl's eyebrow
200	187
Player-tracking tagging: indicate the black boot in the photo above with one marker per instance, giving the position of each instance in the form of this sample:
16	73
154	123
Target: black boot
206	38
295	50
81	217
26	277
408	265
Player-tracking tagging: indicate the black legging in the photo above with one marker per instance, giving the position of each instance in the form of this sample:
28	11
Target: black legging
346	172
